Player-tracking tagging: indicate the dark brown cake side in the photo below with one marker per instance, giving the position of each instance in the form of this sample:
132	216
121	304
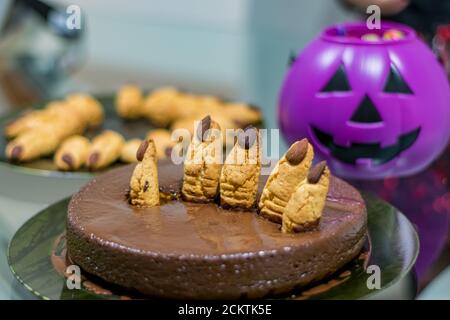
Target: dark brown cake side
200	251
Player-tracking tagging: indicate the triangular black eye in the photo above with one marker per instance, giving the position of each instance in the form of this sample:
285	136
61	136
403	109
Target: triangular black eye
395	83
338	82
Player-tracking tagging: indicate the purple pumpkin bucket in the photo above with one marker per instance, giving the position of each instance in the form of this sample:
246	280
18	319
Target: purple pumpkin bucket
372	109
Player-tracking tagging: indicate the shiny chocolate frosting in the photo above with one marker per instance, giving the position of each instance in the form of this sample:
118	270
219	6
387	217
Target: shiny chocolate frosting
201	251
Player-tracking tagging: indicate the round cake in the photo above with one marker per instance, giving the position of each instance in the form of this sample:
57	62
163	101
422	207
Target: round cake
201	251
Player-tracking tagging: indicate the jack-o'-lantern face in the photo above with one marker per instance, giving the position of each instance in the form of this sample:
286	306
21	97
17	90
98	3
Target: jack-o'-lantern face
366	113
371	110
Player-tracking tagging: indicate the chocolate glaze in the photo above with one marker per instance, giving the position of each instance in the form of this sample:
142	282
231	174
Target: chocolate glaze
189	250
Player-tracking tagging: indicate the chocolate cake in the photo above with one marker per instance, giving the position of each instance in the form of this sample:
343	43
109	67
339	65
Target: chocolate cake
200	250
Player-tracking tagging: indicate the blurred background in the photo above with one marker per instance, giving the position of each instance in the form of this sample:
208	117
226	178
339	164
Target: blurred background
237	49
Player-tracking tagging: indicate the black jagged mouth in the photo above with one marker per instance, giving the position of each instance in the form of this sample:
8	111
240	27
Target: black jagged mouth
372	151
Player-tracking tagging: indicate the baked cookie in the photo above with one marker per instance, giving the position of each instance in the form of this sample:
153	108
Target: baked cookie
163	141
104	150
188	105
304	208
241	171
210	104
188	125
50	127
144	187
72	153
242	114
160	106
129	150
290	170
197	106
229	131
129	102
64	120
28	121
32	144
88	107
203	162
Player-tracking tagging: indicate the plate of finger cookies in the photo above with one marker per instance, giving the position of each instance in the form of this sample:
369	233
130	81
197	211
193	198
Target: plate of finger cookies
82	134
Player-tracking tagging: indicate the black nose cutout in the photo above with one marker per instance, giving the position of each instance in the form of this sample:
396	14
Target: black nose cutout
366	112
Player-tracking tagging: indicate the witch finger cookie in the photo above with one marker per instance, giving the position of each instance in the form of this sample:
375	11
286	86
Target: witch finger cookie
160	106
28	121
290	170
32	144
72	153
88	107
203	163
144	186
104	150
304	208
241	171
129	101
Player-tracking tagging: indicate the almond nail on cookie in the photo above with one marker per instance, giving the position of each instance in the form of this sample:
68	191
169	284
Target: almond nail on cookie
144	187
241	171
72	153
129	149
129	102
290	170
104	150
304	208
203	162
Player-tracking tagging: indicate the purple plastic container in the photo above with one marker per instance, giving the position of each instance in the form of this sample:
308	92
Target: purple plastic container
371	109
